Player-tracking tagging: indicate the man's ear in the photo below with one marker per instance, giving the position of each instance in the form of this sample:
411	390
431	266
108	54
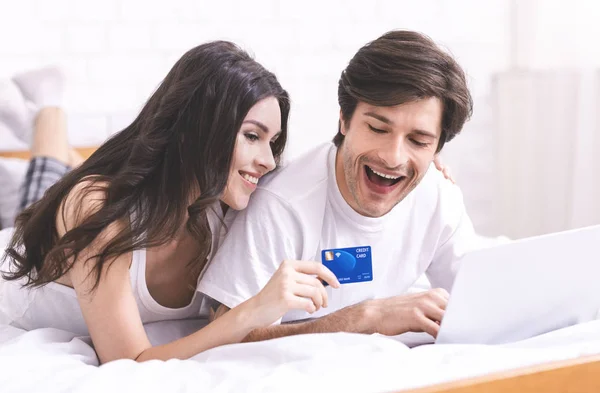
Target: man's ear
342	124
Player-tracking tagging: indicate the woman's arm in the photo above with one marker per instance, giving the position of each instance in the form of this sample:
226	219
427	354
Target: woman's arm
112	317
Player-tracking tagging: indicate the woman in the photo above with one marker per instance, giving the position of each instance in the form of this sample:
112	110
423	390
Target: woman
122	239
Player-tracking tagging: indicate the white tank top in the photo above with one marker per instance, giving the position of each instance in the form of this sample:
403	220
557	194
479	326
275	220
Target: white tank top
55	305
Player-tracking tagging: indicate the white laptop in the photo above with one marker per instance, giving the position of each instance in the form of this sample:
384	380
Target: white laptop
524	288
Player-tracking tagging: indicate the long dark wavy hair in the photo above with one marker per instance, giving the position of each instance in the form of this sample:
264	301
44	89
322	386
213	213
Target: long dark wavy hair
181	142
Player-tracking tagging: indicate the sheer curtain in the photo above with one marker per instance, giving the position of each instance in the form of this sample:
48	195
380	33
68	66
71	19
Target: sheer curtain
547	122
547	141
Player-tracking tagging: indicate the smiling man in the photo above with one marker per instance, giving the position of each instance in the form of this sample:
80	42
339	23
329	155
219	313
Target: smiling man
372	195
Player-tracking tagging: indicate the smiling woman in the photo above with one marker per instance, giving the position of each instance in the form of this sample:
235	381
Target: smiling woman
122	239
252	157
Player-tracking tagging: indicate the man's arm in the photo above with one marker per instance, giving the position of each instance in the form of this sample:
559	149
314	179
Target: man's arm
352	319
419	312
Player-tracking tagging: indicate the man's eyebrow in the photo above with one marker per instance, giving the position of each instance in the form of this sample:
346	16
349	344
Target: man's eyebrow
425	133
379	117
387	121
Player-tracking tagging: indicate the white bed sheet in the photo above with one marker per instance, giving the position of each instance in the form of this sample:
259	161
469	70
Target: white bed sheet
56	361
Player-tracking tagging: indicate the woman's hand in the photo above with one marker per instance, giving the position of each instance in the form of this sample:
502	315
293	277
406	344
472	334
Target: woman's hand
296	285
444	169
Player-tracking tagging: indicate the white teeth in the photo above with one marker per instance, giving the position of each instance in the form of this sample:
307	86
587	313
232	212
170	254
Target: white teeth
251	179
384	175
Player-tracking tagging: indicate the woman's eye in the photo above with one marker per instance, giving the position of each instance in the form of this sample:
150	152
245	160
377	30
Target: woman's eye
251	137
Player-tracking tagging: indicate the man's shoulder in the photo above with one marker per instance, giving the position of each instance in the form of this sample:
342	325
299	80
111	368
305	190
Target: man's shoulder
435	182
438	194
301	178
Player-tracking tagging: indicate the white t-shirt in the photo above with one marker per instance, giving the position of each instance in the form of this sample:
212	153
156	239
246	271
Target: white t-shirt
299	211
56	305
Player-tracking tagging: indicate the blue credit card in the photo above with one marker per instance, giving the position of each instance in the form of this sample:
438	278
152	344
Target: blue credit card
353	264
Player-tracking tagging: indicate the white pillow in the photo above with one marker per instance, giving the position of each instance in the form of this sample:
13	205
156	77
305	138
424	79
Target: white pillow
12	175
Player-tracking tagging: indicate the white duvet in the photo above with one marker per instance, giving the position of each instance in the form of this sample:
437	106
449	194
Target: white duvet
50	360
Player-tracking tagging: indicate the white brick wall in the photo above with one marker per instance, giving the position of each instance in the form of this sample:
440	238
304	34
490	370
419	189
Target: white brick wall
117	51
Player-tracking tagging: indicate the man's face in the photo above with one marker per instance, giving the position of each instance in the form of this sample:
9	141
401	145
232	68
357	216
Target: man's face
386	152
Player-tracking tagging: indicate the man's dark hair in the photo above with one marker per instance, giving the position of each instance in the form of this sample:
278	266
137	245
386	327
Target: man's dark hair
401	67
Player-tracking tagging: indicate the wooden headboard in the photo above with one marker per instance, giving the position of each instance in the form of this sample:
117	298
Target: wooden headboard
24	154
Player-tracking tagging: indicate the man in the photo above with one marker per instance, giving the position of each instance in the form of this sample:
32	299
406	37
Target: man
401	99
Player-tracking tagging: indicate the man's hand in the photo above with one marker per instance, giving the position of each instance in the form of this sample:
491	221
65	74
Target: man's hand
420	312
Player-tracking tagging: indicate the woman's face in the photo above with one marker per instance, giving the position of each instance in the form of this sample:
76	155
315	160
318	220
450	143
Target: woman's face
252	156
